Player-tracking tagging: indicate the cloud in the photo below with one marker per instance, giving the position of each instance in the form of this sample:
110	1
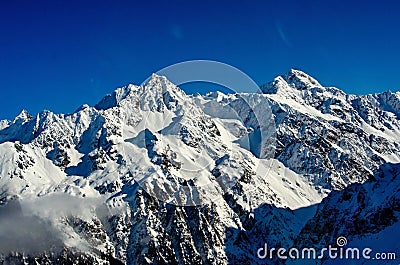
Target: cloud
282	34
28	234
177	32
60	204
32	226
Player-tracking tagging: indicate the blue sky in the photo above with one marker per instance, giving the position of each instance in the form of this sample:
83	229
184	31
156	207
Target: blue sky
58	55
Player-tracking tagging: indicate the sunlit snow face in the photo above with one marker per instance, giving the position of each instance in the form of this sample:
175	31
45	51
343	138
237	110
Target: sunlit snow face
179	151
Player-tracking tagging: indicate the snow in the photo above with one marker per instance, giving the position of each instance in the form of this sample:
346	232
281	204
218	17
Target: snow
305	109
4	124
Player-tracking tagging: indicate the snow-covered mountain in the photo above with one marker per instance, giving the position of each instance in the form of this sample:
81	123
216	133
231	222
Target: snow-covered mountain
107	183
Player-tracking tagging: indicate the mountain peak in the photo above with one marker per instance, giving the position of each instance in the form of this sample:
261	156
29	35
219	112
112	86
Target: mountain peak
24	115
278	84
155	78
112	100
160	85
155	90
160	81
4	124
300	80
158	93
293	80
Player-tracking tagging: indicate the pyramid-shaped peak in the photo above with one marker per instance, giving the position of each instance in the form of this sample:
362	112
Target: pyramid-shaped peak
158	79
279	83
300	79
158	93
157	76
161	84
24	115
153	90
289	82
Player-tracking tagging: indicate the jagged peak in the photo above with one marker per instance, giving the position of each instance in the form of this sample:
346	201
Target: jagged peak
279	83
390	101
160	86
160	82
154	79
24	115
112	100
293	80
300	79
153	91
4	124
390	94
47	117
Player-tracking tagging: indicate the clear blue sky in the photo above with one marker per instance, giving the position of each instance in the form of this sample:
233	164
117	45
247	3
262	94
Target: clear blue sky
58	55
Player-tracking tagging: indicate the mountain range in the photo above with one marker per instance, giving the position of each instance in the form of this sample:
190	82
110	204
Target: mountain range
151	175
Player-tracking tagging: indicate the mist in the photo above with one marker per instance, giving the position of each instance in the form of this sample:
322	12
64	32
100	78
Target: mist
32	226
27	234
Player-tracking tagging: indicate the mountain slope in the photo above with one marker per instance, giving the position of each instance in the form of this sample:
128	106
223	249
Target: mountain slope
339	138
